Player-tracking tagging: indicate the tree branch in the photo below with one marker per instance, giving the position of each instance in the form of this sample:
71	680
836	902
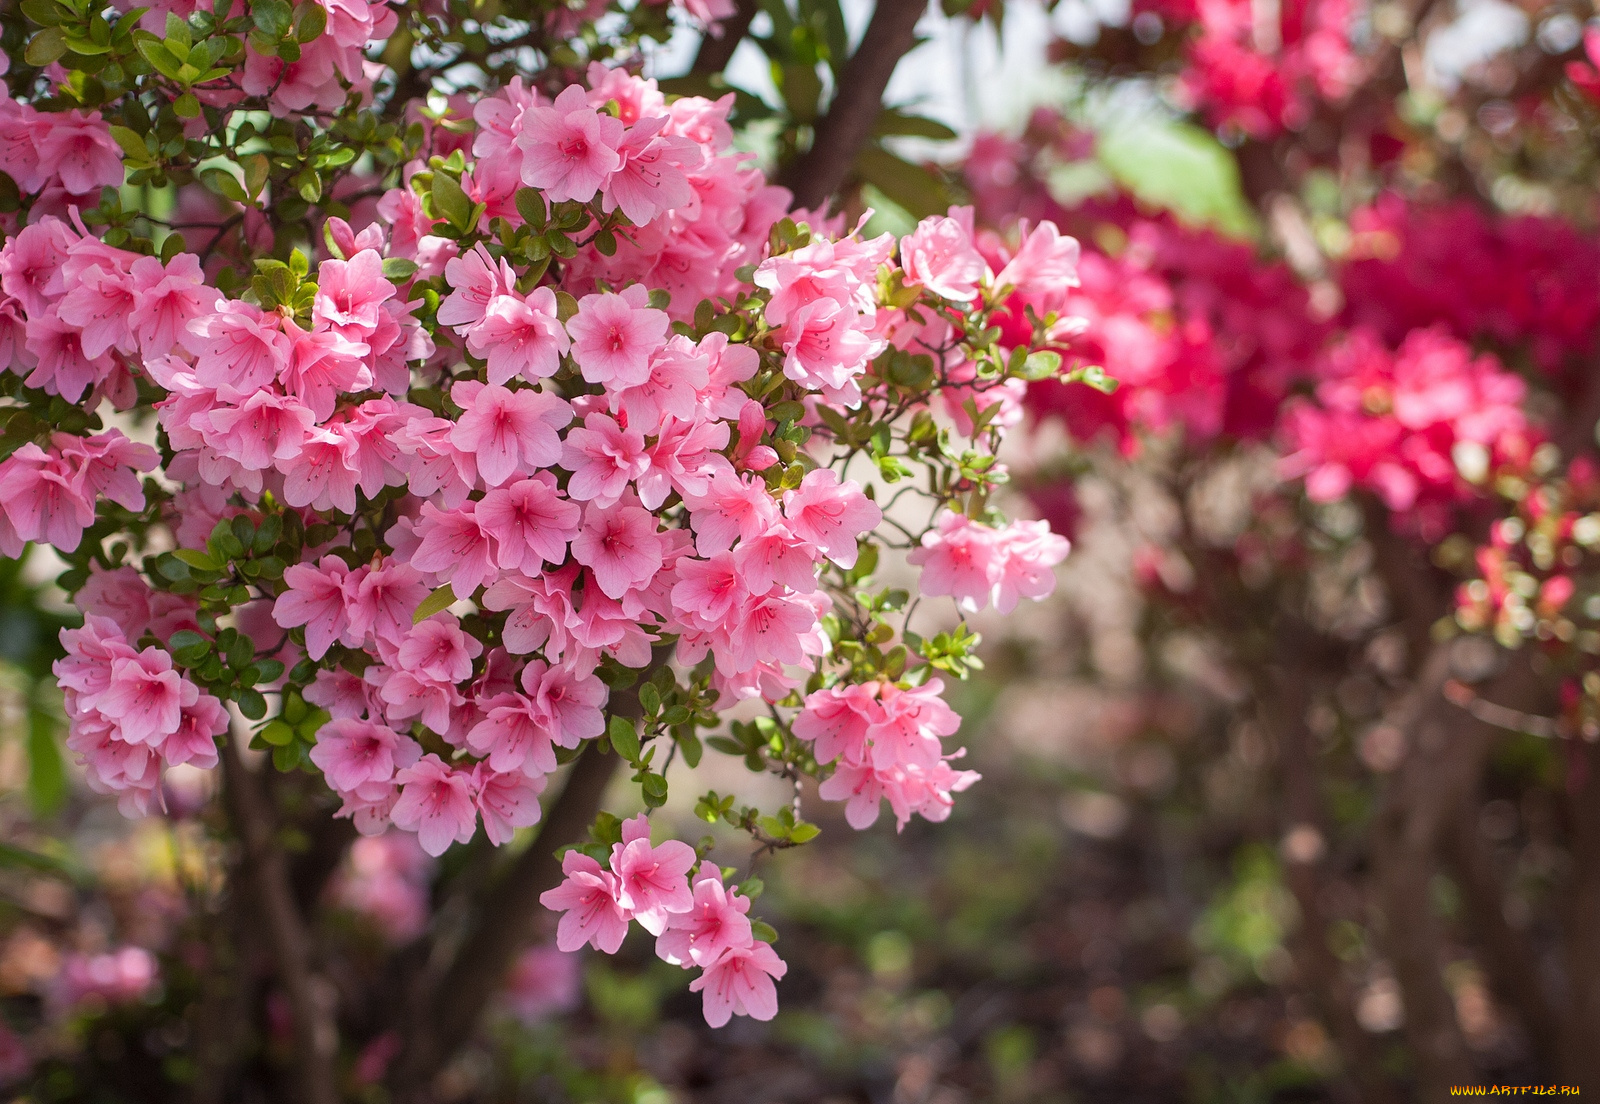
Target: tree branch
822	170
310	997
717	50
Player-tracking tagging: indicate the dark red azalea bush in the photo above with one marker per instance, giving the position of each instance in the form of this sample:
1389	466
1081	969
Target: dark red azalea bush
1355	458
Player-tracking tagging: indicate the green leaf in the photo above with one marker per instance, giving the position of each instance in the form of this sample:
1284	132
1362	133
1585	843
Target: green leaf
1041	365
451	202
271	17
1180	167
802	90
46	46
187	106
530	205
160	57
47	776
398	268
278	734
441	599
310	20
221	181
256	170
46	13
252	704
197	559
763	931
689	744
804	832
893	122
624	737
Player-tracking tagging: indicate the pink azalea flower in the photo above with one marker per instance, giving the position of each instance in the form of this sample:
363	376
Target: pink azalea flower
238	347
650	179
588	901
79	148
959	558
732	508
436	802
353	753
823	347
265	429
831	514
195	741
145	697
741	983
508	801
835	721
351	294
620	545
322	365
614	335
530	522
508	432
571	703
324	473
715	922
166	299
477	279
939	255
316	598
515	735
437	649
455	548
602	457
100	304
383	599
520	336
43	498
568	148
652	882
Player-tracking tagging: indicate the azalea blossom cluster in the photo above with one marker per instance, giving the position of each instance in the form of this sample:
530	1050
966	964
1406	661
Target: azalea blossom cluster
573	409
1416	426
697	922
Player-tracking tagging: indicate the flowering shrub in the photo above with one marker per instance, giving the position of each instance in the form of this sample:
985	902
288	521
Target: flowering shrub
572	411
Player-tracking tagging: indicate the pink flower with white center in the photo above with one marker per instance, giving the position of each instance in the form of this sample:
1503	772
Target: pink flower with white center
733	508
145	697
508	432
354	754
79	148
455	548
520	336
824	348
382	599
716	922
264	430
572	703
437	649
477	279
351	294
323	364
741	983
620	545
960	558
615	334
587	900
437	802
568	148
939	255
652	882
831	514
530	522
508	801
650	179
603	458
317	598
515	735
239	347
323	474
100	304
166	299
1030	551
